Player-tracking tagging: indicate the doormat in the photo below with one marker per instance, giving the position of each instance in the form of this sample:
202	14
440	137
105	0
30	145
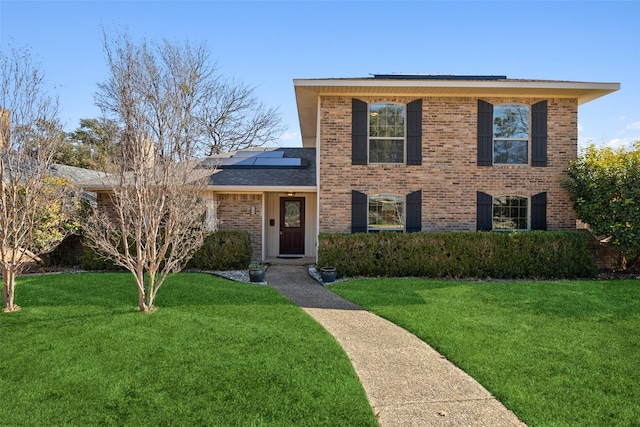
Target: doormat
291	256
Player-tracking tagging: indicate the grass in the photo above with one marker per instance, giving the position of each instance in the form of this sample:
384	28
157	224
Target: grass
563	353
215	353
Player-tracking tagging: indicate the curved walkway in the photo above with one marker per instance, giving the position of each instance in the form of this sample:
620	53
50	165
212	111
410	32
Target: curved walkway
406	381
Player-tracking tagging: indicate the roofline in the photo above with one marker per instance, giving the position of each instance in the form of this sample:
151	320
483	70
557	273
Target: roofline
261	188
308	92
458	82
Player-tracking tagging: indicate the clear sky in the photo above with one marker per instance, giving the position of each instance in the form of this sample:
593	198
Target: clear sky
267	44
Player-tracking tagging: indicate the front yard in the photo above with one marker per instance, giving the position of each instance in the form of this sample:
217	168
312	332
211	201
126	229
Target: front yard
563	353
215	353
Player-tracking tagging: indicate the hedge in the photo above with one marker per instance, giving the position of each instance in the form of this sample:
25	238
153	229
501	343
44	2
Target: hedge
517	255
223	250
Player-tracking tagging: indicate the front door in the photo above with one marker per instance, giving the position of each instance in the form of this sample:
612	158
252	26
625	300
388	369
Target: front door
292	226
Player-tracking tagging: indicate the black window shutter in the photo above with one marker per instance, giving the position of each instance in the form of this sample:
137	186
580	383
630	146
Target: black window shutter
539	211
414	212
414	132
359	212
484	214
485	133
539	134
359	132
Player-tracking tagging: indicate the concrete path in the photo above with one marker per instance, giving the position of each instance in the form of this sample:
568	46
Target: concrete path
406	381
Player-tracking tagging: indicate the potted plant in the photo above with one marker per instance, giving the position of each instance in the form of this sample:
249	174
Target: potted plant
256	272
328	274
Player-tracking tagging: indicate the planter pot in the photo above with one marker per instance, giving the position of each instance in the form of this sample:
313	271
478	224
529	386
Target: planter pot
328	274
256	275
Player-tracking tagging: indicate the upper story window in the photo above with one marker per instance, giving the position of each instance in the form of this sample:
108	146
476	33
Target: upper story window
386	133
511	134
386	212
510	213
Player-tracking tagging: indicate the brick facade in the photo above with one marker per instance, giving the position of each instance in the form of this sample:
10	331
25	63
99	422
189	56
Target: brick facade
449	176
242	212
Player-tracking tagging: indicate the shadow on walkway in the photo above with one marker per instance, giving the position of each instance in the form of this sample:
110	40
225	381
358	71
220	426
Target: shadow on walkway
295	283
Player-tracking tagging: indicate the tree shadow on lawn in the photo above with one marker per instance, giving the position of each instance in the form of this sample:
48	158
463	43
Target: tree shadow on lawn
118	291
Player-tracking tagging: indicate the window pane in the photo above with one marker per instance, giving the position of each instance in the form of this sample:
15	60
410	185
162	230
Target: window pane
386	120
386	212
386	151
511	121
510	151
510	213
292	213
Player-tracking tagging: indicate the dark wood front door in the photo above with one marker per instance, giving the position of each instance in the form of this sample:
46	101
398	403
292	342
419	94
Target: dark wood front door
292	226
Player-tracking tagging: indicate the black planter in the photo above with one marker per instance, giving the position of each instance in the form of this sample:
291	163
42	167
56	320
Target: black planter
256	275
328	274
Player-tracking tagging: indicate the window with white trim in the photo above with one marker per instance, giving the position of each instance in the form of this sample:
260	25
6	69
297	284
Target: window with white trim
386	133
511	134
510	213
386	212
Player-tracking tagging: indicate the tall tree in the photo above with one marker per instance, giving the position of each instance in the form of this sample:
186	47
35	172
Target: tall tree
34	207
233	119
156	218
93	145
604	184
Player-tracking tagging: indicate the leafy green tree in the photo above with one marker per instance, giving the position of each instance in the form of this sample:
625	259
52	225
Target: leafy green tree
93	145
604	184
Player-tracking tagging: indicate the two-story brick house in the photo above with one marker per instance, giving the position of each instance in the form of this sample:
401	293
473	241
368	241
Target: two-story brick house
408	153
442	153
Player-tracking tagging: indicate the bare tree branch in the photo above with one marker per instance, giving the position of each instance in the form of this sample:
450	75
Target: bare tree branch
156	217
34	207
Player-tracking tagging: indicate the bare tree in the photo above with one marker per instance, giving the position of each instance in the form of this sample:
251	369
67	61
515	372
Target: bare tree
155	219
233	119
34	207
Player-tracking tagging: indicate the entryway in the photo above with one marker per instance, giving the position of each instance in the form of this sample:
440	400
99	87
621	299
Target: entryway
292	226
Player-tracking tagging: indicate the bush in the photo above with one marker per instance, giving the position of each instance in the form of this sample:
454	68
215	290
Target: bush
223	250
91	261
535	254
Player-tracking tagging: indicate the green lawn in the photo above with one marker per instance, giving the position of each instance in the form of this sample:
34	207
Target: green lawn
561	353
215	353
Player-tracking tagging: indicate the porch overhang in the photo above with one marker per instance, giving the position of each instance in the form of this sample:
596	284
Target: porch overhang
236	189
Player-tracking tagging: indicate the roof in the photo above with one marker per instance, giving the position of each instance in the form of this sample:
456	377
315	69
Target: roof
268	169
250	170
74	174
308	90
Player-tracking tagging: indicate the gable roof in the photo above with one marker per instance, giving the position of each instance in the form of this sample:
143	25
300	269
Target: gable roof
307	91
267	169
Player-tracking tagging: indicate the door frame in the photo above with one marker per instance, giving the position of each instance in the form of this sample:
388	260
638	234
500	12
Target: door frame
299	230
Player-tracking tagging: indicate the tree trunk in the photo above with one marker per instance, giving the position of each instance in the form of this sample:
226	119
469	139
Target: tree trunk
142	303
8	289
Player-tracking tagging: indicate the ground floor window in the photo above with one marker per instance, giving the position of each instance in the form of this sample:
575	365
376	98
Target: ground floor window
510	213
386	212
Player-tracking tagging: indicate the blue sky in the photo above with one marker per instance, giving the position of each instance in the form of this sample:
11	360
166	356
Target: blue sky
269	43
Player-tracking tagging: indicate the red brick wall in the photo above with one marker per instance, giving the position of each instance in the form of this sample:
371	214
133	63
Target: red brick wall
448	177
234	213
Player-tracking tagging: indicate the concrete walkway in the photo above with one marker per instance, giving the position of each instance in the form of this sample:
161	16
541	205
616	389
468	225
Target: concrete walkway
406	381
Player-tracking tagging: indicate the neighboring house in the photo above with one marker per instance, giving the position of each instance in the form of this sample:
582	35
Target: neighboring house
408	153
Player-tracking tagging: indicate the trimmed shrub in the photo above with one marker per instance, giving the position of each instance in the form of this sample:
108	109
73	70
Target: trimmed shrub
534	254
223	250
91	261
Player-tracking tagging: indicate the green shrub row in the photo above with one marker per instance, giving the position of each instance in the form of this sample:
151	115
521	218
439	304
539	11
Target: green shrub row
223	250
535	254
